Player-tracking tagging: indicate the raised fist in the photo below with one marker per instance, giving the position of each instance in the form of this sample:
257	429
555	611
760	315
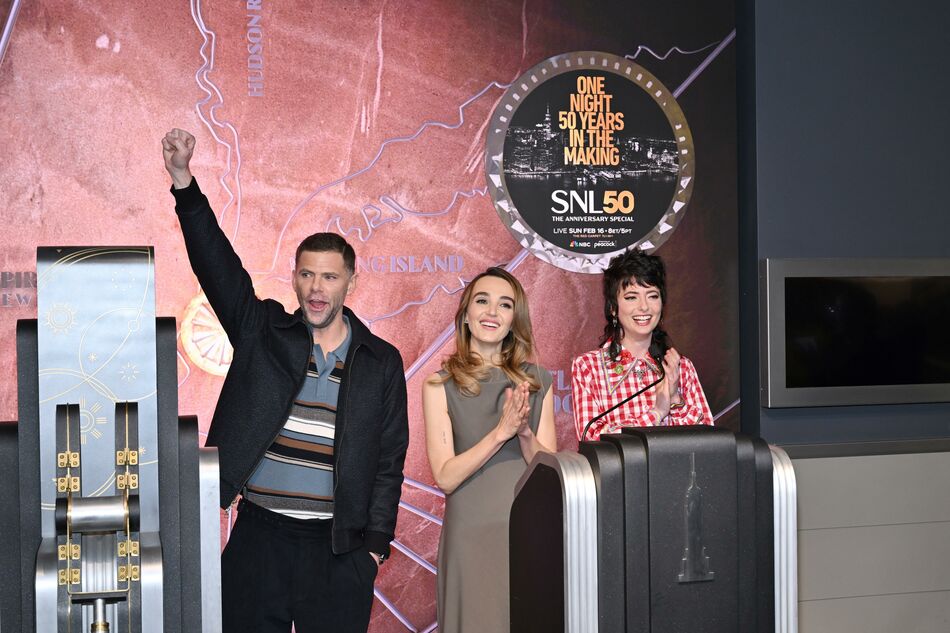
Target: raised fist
177	148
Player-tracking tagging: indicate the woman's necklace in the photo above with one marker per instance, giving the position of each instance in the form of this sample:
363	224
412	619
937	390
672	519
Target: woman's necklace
618	371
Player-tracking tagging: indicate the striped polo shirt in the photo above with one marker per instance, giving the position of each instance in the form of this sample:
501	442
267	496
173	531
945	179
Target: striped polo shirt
295	477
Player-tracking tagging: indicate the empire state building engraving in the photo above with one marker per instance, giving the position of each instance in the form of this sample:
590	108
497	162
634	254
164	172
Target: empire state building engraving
695	563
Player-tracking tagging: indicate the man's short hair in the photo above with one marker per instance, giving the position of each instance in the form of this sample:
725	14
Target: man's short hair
324	242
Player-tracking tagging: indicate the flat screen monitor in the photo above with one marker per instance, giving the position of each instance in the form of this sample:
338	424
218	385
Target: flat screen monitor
855	331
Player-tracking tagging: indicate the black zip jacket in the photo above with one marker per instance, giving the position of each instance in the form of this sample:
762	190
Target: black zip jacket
271	352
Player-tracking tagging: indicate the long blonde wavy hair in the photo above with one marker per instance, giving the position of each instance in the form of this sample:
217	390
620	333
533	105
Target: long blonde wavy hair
466	367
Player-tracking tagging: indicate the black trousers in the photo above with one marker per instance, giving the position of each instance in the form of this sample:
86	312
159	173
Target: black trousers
277	571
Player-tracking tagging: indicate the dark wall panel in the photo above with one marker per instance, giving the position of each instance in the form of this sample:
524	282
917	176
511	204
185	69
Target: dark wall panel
850	134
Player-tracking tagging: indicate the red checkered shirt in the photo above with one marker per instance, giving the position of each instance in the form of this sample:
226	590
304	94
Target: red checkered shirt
598	383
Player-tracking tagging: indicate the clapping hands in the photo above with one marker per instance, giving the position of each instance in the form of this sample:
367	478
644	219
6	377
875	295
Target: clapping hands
667	391
671	367
514	413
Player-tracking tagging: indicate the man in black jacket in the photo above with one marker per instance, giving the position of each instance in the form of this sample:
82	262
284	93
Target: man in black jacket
311	428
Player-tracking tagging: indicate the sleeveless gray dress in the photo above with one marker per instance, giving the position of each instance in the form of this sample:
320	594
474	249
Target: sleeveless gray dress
473	550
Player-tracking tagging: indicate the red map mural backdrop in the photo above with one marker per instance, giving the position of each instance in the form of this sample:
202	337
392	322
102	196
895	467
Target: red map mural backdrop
365	118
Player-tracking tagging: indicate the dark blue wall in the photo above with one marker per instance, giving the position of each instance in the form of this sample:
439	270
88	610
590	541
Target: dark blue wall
844	137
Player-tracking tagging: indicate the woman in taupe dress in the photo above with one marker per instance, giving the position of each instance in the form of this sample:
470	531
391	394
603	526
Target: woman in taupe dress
487	413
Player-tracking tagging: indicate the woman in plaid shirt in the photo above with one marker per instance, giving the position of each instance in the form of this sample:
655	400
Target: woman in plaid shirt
632	348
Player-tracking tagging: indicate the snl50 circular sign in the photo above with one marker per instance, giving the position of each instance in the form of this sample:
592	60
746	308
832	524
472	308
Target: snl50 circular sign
588	155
